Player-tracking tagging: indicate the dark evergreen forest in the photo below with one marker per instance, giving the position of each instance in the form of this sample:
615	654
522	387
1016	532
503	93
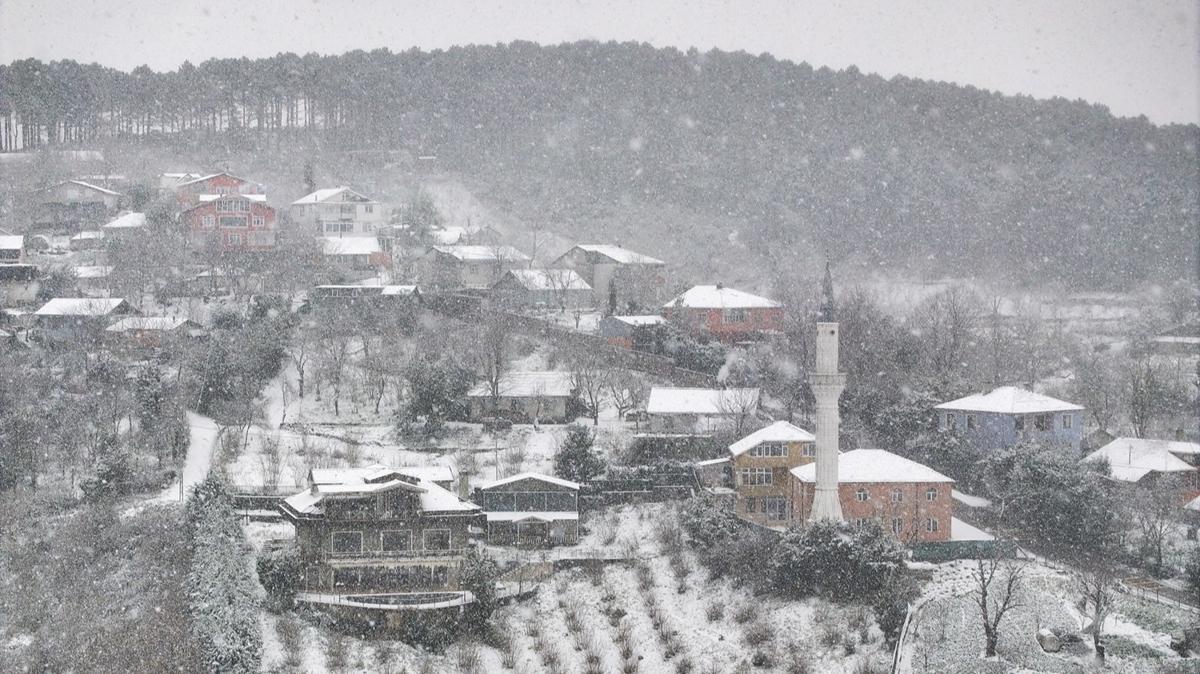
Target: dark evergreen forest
835	163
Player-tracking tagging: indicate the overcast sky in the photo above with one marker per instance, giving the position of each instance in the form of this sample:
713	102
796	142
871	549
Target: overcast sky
1135	57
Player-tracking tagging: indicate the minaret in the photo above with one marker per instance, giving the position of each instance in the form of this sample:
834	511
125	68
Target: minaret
827	385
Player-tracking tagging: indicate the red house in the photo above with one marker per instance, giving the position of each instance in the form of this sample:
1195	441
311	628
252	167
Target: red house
188	193
725	313
231	223
911	500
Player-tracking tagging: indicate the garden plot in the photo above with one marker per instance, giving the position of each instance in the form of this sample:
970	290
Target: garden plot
948	635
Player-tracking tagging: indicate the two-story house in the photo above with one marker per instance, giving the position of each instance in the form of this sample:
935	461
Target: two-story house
530	510
74	205
1008	416
188	192
378	529
724	313
610	269
760	464
912	501
338	211
230	223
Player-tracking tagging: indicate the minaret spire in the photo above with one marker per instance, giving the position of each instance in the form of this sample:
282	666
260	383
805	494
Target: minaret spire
827	385
828	307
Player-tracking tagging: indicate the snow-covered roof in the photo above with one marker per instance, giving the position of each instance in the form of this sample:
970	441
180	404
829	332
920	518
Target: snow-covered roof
640	321
553	384
429	473
102	190
541	477
399	290
961	531
13	242
147	323
874	465
618	254
712	462
548	279
205	198
780	431
1009	400
88	234
522	515
1131	459
1194	504
354	482
80	306
92	271
350	245
128	220
720	297
668	400
210	177
448	236
482	253
328	194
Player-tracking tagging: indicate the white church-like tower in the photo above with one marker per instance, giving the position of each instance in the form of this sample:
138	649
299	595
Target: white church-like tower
827	385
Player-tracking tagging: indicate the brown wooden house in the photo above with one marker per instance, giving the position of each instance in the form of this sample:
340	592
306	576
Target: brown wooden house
531	510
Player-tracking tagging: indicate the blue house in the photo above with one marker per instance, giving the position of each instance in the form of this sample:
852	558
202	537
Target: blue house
1008	416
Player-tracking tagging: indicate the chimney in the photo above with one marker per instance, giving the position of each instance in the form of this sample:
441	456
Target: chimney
827	385
464	485
720	285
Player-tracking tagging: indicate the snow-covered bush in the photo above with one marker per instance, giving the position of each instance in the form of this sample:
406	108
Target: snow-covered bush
279	573
835	561
221	593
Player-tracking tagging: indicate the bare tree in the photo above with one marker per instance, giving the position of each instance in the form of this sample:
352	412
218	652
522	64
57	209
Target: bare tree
947	325
625	390
1097	582
589	378
740	404
1097	386
1153	509
333	354
301	352
996	596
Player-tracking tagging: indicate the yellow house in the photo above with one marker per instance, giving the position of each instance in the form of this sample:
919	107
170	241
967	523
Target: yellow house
761	462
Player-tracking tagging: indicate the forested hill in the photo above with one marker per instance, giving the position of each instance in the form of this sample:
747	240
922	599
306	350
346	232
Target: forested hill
798	161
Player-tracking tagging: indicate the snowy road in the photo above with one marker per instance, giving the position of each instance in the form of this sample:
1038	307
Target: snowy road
201	445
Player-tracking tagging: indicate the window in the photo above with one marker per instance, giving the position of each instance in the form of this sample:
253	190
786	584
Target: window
368	209
258	221
951	420
1044	422
234	239
346	577
970	422
736	315
436	539
860	522
233	205
751	504
931	494
756	476
1068	421
775	507
897	495
395	541
810	449
232	221
338	227
769	449
208	221
931	525
1019	423
897	525
346	542
861	495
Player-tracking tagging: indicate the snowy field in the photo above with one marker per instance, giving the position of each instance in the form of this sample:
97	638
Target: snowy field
948	636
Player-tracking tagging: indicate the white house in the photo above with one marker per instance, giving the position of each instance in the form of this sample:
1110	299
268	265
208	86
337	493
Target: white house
700	411
357	253
469	266
12	249
339	211
551	288
602	265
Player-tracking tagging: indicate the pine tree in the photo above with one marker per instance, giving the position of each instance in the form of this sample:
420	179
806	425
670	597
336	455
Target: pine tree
575	459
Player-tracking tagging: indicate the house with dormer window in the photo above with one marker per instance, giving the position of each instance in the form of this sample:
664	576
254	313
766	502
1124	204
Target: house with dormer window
379	529
231	223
